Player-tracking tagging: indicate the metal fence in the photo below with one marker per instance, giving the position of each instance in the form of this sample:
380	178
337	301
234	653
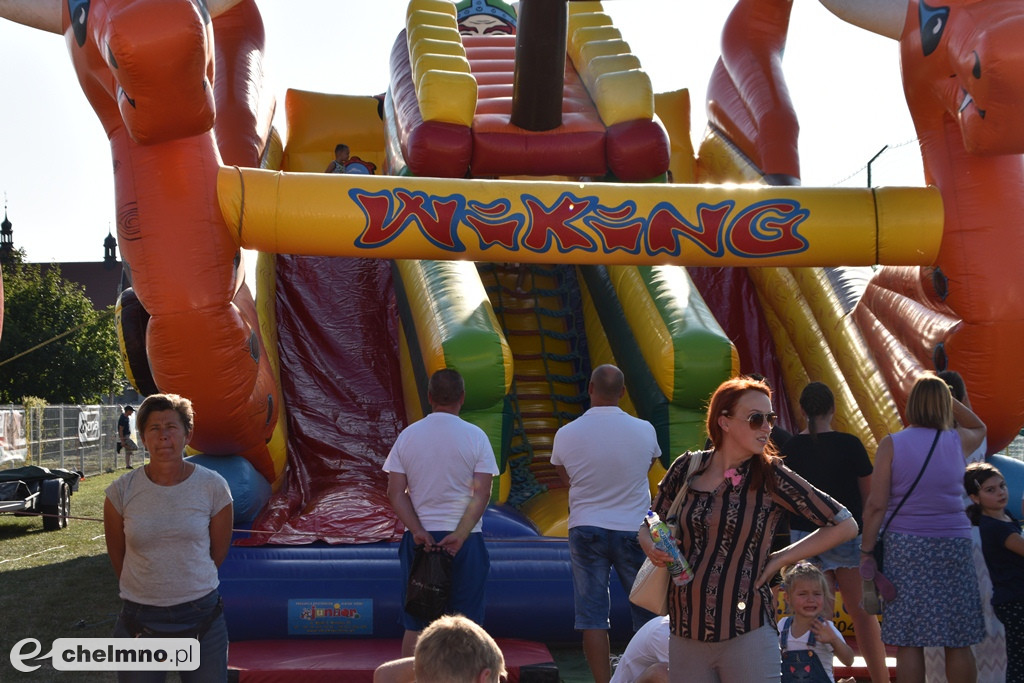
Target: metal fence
82	438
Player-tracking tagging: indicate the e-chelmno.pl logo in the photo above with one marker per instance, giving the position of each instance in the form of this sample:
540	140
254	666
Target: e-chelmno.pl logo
109	654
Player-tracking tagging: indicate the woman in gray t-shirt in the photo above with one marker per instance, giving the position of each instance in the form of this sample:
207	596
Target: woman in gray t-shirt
168	529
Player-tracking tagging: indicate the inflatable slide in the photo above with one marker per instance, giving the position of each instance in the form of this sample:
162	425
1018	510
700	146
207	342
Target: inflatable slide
521	240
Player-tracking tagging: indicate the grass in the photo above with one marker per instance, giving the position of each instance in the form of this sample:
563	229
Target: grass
57	584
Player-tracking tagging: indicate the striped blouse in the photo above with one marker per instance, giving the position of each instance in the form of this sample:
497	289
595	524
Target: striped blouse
727	536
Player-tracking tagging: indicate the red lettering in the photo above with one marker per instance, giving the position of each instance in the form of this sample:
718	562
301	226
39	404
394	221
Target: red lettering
547	225
767	229
620	236
436	220
503	233
665	224
615	231
378	231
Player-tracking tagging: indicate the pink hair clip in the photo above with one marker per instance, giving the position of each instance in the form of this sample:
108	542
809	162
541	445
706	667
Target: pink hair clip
733	477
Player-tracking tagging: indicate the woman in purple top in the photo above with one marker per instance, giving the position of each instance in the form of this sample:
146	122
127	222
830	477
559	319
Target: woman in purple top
928	543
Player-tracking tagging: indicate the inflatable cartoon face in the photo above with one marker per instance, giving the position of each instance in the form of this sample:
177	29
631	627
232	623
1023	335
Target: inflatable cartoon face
161	94
485	16
969	56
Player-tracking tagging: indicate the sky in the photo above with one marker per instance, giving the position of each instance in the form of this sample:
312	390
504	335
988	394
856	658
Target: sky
55	167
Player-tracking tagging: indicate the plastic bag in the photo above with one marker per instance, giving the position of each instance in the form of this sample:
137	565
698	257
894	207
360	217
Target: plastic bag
430	584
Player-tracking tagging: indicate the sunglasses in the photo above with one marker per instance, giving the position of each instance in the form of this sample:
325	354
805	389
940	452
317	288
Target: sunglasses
757	420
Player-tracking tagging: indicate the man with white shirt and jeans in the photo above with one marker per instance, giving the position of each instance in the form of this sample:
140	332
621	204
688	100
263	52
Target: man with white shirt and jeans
439	484
603	456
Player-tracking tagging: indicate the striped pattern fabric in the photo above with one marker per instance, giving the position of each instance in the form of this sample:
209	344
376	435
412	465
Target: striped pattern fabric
726	535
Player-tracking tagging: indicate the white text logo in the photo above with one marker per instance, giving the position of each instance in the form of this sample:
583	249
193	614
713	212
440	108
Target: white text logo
110	654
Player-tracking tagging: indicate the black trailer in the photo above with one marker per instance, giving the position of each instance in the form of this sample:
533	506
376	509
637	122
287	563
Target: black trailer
39	490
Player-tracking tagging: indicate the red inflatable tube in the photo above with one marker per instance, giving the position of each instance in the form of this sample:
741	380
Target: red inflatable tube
747	95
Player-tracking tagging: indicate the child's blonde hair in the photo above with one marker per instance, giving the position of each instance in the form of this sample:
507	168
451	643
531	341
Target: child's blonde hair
454	649
807	571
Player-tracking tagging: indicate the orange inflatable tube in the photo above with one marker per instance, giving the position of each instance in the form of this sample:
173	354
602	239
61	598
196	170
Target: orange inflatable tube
147	68
963	73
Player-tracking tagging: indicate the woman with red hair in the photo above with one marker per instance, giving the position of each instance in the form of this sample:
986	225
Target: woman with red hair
724	505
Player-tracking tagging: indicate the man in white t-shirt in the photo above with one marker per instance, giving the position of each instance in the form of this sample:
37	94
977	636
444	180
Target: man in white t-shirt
603	456
439	483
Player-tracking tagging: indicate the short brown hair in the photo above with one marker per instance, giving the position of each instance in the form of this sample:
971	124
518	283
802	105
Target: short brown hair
158	402
446	387
453	649
930	403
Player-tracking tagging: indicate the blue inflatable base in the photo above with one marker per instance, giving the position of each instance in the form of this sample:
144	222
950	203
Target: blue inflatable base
324	591
249	490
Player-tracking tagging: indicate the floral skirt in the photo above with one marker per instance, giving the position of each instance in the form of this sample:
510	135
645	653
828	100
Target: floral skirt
937	598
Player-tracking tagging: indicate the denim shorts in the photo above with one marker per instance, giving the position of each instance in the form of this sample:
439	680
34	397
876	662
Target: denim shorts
843	556
469	578
594	551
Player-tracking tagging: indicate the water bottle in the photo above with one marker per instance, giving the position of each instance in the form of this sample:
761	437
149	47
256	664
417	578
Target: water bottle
678	568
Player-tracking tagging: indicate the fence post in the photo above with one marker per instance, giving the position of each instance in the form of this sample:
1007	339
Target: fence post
61	437
38	410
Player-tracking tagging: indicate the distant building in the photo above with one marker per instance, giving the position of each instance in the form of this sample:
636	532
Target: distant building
6	238
101	279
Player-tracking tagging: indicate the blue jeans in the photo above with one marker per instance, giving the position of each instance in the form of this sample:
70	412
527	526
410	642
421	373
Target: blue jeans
213	647
594	551
470	567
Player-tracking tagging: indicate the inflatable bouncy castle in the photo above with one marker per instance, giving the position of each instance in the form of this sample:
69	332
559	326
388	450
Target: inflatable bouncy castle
522	207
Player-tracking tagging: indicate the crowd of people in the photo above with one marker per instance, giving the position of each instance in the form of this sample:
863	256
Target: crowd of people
723	504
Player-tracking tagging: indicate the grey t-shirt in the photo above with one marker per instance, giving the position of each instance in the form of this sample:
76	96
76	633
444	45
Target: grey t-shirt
167	535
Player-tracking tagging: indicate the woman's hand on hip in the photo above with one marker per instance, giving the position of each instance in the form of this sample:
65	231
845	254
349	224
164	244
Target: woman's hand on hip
771	568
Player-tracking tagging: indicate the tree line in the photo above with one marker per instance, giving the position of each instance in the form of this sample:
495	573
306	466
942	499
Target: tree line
54	345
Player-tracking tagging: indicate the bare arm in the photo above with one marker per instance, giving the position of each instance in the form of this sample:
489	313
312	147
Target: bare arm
1015	543
970	427
113	532
395	671
220	533
878	501
824	633
474	511
864	487
822	539
398	494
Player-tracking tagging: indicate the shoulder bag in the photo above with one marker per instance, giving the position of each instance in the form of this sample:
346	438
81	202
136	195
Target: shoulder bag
650	588
879	550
